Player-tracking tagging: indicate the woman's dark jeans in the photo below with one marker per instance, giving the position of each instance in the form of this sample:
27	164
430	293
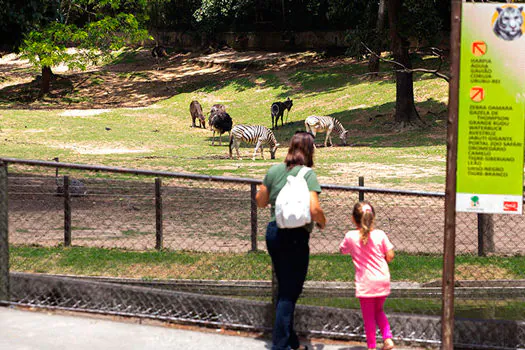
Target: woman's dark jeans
289	251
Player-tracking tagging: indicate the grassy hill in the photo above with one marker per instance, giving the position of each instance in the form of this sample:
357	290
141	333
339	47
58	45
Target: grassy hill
157	135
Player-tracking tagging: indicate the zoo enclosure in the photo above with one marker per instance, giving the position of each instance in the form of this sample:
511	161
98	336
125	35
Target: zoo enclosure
209	216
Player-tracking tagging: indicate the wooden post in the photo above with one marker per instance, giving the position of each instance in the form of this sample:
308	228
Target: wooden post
4	235
253	216
67	213
449	245
485	234
361	184
159	239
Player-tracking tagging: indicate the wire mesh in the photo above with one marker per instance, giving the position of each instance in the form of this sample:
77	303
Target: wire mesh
208	239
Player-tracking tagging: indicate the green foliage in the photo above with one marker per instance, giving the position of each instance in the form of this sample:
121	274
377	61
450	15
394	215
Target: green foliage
214	14
48	45
172	14
420	19
19	17
296	15
47	48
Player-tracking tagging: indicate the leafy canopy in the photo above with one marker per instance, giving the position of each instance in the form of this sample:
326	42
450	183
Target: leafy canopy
93	34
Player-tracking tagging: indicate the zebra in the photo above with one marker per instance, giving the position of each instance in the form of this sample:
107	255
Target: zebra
315	124
258	134
277	111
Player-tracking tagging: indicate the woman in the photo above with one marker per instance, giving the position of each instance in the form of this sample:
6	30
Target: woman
289	248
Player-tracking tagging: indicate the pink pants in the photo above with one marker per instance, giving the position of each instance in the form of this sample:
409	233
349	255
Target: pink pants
373	313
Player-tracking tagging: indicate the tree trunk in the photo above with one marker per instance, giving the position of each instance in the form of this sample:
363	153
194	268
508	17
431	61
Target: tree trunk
46	80
373	63
406	112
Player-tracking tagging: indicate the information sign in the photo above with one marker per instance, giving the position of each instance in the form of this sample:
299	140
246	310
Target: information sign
491	109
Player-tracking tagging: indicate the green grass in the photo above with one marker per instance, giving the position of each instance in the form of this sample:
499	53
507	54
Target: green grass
159	137
474	309
256	266
135	233
152	265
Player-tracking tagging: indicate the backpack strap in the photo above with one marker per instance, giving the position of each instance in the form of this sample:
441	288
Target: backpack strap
303	171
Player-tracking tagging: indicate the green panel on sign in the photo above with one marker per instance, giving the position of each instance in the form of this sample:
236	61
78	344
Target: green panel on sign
491	109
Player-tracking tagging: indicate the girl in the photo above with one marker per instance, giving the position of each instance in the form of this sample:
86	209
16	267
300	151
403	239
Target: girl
371	252
289	248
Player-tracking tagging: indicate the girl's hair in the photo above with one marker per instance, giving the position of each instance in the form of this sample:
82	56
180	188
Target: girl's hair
301	151
364	215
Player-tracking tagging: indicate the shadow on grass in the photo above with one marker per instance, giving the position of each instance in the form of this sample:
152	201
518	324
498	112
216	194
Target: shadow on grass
30	92
375	127
135	82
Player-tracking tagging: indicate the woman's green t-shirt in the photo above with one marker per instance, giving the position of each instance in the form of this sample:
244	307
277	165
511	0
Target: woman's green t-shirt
275	180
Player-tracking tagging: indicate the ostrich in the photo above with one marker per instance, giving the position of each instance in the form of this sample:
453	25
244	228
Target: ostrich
220	122
216	108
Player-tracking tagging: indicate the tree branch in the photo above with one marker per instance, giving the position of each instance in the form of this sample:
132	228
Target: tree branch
404	69
85	9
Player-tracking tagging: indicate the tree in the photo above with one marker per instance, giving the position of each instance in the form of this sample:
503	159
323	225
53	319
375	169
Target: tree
406	111
373	62
93	29
409	19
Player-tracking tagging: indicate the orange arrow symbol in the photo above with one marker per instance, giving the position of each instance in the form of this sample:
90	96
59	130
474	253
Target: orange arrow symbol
477	94
479	48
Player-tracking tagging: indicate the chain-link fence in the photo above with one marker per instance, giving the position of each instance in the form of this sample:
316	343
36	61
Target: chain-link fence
191	248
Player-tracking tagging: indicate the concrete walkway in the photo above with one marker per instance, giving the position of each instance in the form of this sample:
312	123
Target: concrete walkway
23	329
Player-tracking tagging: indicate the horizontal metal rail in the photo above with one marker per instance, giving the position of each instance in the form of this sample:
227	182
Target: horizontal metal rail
53	164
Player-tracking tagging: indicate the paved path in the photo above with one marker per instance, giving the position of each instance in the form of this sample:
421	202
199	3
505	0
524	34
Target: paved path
27	330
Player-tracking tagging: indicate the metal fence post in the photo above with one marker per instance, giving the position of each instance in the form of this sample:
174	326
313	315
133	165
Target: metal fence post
253	216
4	237
159	239
485	234
67	213
361	184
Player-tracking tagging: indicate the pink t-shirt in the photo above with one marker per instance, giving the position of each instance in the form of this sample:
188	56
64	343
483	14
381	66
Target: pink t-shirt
372	276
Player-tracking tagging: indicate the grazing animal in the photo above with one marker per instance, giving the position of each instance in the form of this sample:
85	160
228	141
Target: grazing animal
220	122
253	134
196	113
509	23
278	111
315	124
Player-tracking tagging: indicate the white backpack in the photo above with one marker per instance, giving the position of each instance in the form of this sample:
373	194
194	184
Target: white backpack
292	206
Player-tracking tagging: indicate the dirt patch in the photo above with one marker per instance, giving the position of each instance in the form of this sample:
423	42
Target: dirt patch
137	80
376	173
98	149
83	112
481	272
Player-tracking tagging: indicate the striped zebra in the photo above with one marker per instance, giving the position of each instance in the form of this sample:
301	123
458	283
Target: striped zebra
253	134
315	124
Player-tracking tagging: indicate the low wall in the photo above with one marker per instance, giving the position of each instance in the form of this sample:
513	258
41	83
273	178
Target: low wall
257	40
110	298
